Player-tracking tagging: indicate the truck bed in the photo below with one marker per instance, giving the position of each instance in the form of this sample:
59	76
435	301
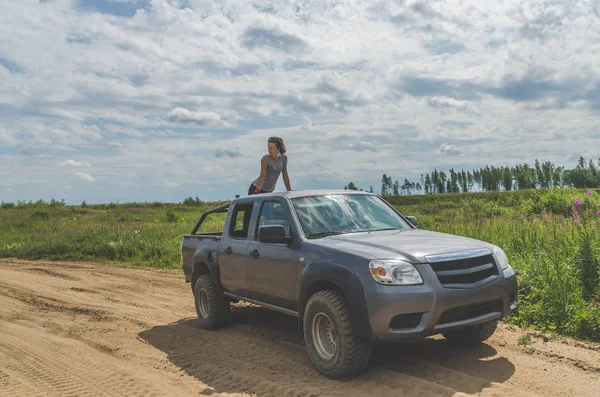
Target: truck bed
206	244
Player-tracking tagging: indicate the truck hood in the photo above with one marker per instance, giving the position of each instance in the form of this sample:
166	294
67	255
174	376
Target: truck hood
411	245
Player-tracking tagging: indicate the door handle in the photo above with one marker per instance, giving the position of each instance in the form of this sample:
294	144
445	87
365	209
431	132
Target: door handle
228	251
254	253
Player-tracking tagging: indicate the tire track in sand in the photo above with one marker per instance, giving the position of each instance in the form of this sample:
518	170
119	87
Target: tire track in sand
234	359
150	343
51	365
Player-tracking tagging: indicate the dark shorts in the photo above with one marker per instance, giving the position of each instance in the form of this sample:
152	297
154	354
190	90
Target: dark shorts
252	190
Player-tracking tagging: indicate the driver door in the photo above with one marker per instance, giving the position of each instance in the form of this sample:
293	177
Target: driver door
272	268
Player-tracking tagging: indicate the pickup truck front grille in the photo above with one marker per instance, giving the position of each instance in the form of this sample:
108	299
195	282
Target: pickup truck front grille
470	269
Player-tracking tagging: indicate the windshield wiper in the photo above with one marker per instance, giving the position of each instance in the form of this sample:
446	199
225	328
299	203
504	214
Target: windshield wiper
324	234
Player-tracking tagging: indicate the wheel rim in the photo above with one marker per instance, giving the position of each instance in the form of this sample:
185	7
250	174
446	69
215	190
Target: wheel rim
204	305
324	336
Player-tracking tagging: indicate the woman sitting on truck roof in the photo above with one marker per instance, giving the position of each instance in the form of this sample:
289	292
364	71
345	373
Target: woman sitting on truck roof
271	166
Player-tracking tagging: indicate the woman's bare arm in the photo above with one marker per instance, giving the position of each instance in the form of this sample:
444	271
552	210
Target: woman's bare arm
263	171
286	178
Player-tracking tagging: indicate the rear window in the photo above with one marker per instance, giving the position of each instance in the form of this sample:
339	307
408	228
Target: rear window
240	220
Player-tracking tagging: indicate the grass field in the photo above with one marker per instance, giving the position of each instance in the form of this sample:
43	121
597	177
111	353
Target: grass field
550	236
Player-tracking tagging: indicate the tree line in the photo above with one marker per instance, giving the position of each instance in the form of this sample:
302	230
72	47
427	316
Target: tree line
489	178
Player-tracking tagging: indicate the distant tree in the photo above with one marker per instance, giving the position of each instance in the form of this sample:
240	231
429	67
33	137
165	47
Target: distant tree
493	178
548	173
464	181
428	185
406	187
351	186
540	175
386	185
507	178
453	185
470	181
557	177
192	202
442	178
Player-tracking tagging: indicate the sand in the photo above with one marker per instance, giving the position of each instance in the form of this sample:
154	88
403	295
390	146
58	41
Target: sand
82	329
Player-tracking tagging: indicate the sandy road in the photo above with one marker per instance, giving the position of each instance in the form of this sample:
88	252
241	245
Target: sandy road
77	329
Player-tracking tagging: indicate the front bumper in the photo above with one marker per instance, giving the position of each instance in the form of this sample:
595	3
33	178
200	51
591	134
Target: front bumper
404	312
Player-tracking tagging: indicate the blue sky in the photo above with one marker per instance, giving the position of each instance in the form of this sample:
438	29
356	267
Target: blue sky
144	100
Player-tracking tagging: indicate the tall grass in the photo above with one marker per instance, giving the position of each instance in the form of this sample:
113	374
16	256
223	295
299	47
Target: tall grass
550	237
143	236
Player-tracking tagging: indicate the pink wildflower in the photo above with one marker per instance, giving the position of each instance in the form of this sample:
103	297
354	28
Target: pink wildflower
598	213
577	222
578	203
593	229
589	192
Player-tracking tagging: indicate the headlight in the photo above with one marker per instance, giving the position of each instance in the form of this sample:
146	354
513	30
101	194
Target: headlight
394	272
501	257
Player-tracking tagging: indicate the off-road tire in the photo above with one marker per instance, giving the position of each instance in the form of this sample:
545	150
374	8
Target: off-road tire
215	313
352	354
473	335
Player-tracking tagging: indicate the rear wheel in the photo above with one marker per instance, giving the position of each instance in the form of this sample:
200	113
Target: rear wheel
473	335
212	308
329	336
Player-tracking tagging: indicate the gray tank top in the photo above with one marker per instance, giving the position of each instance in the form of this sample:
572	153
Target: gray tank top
273	171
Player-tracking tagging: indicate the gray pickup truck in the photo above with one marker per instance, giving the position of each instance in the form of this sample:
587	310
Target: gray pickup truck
351	268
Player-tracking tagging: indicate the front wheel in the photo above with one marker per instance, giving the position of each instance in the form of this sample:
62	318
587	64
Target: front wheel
473	335
329	336
211	307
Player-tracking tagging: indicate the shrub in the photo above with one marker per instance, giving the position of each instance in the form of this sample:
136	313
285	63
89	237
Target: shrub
556	201
585	323
6	206
170	216
40	214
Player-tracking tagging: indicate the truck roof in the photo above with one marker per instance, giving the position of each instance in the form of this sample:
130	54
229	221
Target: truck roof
313	192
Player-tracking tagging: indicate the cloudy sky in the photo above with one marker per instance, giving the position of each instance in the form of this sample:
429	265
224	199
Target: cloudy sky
122	100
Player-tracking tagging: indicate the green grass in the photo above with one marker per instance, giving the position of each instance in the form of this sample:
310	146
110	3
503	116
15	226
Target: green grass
141	235
553	243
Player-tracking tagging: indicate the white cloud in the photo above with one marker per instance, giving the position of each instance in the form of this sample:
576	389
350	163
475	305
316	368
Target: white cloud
360	87
450	149
85	177
229	152
204	119
75	164
362	146
6	138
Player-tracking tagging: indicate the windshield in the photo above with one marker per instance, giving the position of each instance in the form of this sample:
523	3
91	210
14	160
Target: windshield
345	213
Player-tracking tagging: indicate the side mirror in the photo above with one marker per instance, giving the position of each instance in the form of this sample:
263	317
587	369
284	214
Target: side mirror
273	234
413	220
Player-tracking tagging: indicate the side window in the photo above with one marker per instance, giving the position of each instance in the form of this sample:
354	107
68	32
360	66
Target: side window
273	213
240	220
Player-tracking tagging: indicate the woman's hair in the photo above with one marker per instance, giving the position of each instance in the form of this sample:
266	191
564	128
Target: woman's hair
279	143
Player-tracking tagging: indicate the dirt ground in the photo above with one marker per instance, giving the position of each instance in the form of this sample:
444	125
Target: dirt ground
77	329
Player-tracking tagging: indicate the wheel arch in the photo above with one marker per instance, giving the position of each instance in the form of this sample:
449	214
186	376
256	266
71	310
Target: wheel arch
319	277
